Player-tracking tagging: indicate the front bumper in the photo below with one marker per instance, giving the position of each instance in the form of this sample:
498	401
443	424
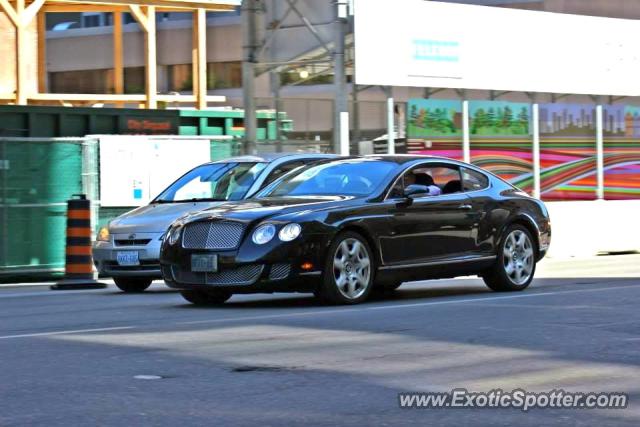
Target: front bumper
105	255
274	267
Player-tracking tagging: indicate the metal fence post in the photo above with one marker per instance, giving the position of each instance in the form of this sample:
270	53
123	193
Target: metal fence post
89	149
599	152
535	108
466	140
391	140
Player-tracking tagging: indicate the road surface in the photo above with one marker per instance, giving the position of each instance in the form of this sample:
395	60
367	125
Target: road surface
75	358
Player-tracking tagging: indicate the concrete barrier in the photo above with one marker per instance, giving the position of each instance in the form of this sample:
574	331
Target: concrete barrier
589	228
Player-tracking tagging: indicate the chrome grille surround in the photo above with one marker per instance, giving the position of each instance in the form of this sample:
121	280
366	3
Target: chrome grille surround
279	271
213	235
243	275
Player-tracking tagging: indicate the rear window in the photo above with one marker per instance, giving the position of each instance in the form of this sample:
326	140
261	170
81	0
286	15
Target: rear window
473	180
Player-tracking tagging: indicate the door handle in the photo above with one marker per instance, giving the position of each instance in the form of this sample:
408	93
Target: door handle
465	207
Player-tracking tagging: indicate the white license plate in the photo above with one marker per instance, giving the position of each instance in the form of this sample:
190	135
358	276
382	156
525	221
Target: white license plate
204	263
127	258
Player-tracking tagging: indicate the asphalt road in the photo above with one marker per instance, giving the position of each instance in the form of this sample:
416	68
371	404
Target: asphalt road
71	358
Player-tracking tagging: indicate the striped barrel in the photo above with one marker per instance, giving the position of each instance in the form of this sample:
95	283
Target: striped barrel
78	272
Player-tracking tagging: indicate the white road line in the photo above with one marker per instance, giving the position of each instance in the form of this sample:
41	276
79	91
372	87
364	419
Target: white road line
54	293
396	306
332	311
77	331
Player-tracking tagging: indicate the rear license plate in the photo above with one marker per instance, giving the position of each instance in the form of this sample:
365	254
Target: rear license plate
127	258
204	263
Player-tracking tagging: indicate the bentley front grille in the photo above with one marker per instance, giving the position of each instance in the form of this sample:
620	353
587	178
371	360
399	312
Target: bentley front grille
279	271
213	235
243	275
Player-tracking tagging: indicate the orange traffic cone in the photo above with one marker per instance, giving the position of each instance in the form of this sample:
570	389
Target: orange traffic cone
78	272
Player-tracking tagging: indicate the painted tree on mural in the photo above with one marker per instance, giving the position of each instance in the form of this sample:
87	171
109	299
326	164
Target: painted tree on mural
523	119
413	115
500	121
433	118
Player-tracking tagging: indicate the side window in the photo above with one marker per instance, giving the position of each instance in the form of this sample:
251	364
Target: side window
473	181
428	180
281	170
397	191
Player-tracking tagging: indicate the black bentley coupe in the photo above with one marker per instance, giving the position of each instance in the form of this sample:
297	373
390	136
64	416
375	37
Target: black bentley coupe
342	228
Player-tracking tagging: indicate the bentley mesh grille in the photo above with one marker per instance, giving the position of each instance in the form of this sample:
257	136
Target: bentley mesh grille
279	271
243	275
215	235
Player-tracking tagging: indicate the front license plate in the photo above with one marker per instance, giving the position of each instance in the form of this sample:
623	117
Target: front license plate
127	258
204	263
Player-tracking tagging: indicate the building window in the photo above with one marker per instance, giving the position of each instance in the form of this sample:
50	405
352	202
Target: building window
134	79
179	76
223	75
306	76
85	81
220	75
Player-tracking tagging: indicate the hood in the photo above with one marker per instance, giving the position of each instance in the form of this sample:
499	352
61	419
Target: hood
261	209
155	218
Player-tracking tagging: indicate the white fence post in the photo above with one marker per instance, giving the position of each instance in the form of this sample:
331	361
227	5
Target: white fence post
391	141
536	149
466	140
599	152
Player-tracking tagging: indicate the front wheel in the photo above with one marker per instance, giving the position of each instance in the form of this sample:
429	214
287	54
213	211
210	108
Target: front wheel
132	284
205	298
516	264
349	270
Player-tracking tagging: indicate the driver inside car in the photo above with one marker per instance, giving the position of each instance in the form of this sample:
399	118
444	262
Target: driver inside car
424	181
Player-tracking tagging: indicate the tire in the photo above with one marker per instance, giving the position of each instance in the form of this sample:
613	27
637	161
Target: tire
132	284
349	270
516	262
206	298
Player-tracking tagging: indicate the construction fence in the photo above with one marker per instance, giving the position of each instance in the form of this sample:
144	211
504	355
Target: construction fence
116	172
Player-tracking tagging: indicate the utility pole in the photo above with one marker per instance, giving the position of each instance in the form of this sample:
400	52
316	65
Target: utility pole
340	103
274	76
249	11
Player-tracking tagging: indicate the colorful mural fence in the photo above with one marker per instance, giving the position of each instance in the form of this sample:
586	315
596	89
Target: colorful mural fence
621	152
568	151
435	127
501	141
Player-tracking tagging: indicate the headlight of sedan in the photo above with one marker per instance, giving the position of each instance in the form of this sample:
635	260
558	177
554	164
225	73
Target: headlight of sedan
264	234
290	232
173	235
103	234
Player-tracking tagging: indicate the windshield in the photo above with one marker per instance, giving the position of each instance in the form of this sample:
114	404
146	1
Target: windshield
345	178
213	182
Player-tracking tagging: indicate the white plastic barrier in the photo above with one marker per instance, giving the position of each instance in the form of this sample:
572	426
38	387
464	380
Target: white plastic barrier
589	228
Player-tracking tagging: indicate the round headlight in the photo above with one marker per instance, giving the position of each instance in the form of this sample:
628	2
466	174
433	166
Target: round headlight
174	234
103	234
264	234
289	232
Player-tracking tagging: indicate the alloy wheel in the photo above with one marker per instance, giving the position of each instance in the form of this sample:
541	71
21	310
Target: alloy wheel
351	268
518	257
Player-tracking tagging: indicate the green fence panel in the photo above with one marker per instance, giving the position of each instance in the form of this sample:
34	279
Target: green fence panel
36	179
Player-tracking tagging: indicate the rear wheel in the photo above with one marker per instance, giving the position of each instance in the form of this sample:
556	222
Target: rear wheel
516	264
349	270
132	284
204	298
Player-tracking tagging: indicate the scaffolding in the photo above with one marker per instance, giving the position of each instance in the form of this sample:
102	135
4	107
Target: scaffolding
27	84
